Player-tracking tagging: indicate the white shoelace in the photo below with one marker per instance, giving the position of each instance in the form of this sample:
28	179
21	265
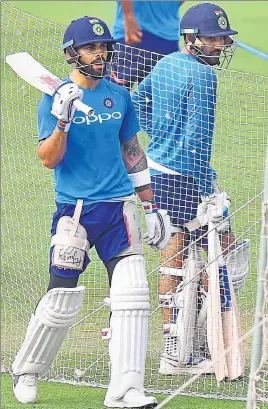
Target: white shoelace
29	379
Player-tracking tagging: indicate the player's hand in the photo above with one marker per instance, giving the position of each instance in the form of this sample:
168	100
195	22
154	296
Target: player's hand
214	208
133	32
158	226
62	107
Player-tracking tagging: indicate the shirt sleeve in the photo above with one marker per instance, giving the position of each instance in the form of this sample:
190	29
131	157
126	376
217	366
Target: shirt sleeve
130	125
46	121
200	126
142	100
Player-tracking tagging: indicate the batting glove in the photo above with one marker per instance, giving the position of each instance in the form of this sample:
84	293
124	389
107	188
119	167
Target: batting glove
214	208
62	107
158	226
237	262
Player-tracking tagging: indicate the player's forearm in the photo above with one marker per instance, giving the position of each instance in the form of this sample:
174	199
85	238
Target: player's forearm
136	164
52	150
145	193
127	7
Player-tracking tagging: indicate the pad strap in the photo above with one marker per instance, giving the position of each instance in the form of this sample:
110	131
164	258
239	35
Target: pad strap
178	272
76	216
62	240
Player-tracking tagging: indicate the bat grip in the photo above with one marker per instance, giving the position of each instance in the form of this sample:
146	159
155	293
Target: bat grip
83	107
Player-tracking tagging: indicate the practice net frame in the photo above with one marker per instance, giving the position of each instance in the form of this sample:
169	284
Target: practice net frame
28	205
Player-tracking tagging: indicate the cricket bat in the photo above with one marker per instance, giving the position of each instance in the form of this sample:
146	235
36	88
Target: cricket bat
35	74
231	324
215	334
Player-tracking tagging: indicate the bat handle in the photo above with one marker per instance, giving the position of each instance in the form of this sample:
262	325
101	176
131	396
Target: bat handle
83	107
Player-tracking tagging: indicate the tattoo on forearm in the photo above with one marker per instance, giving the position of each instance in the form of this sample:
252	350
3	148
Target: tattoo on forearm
133	155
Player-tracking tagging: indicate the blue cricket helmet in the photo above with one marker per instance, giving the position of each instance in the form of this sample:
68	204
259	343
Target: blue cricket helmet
86	30
206	20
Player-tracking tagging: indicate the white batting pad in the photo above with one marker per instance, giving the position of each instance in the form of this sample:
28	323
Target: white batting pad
187	312
55	314
129	326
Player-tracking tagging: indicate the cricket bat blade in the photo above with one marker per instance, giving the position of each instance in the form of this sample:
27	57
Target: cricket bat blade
35	74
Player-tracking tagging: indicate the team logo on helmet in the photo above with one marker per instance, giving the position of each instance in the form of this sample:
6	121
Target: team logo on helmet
108	102
222	22
98	29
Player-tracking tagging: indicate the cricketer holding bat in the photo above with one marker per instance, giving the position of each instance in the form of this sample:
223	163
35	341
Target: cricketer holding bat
176	108
98	166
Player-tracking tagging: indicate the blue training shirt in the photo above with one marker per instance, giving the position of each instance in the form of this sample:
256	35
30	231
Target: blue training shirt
175	104
160	18
93	168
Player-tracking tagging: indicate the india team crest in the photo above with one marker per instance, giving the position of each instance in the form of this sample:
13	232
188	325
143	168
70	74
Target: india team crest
98	29
108	102
222	22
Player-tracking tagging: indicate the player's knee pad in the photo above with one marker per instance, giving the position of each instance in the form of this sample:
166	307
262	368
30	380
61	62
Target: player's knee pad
70	242
130	304
54	315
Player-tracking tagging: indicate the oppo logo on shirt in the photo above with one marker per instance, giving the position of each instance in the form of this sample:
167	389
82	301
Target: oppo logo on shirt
96	118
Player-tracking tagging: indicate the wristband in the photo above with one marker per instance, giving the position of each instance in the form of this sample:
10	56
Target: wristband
141	178
63	126
149	207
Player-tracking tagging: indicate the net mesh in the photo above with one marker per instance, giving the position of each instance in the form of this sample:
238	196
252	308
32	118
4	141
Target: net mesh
260	384
28	205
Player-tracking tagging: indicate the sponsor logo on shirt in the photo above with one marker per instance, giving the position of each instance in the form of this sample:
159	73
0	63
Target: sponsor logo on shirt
105	116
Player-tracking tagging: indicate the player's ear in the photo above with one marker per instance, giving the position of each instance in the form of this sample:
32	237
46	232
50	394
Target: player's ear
70	56
198	43
188	39
67	55
191	39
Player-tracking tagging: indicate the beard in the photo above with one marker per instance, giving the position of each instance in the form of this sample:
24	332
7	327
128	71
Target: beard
206	56
96	69
211	60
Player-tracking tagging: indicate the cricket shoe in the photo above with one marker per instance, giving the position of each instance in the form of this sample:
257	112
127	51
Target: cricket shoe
133	398
173	367
25	387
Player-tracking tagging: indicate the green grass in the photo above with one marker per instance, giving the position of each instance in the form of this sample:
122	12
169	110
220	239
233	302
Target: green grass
56	396
28	201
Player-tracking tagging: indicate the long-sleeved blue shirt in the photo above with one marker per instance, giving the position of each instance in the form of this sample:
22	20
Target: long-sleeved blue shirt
175	105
